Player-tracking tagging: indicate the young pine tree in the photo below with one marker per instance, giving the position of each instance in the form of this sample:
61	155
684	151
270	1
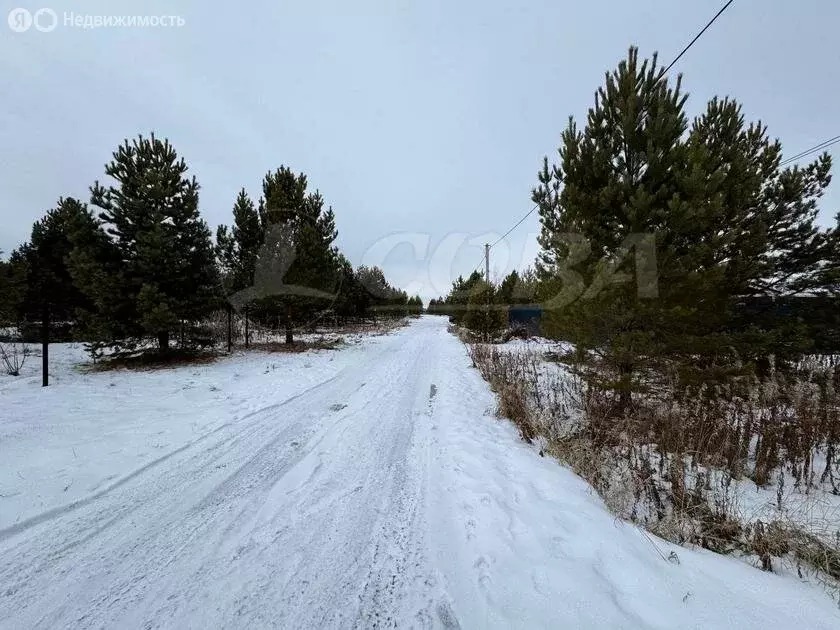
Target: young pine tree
12	287
237	248
753	236
616	183
459	296
509	289
49	295
167	275
483	315
298	247
652	232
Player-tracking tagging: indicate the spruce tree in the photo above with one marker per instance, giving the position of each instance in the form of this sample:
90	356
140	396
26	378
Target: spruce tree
167	276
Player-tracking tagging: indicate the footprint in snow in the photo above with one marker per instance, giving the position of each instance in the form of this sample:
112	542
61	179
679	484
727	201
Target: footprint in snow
482	565
470	527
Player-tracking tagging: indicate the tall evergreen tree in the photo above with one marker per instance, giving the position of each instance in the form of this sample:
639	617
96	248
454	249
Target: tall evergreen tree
830	277
510	290
48	293
459	296
753	232
12	288
298	248
237	249
650	230
167	273
351	301
483	314
615	179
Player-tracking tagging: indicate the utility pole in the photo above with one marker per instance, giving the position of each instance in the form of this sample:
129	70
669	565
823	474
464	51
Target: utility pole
485	333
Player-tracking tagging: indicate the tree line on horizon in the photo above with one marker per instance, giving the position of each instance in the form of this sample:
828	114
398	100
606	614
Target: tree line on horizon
138	262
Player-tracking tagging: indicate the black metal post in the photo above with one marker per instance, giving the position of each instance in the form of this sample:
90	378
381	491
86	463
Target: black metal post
45	348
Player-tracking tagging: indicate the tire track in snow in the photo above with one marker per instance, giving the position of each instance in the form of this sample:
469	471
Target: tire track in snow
62	510
152	551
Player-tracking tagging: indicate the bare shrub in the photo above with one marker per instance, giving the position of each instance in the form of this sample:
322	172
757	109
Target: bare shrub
14	355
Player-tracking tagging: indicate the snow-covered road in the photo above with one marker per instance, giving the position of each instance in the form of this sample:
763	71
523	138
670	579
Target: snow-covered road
382	494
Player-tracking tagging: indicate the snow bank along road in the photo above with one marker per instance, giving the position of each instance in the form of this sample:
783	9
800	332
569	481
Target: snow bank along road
382	494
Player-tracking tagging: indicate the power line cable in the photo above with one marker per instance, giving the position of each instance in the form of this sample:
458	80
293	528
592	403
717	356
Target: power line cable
819	147
670	65
696	37
516	225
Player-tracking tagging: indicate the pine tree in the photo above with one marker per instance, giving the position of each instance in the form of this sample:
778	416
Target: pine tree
414	305
509	288
829	279
652	232
237	249
753	234
96	268
615	179
483	314
168	274
12	288
351	301
459	296
48	293
298	244
825	320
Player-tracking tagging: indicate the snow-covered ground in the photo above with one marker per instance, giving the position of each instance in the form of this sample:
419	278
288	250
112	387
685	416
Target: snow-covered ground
366	487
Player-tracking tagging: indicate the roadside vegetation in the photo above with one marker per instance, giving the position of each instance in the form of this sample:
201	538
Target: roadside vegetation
696	298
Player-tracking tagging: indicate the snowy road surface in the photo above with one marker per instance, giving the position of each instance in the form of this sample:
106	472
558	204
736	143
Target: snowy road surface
382	493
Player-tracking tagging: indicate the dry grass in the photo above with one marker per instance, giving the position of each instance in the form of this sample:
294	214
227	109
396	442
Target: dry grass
217	329
322	343
153	360
262	340
672	462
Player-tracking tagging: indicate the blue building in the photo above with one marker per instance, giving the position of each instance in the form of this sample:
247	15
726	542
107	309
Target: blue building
527	316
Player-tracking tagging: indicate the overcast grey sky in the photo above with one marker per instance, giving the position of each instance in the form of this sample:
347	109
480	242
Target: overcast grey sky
426	119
